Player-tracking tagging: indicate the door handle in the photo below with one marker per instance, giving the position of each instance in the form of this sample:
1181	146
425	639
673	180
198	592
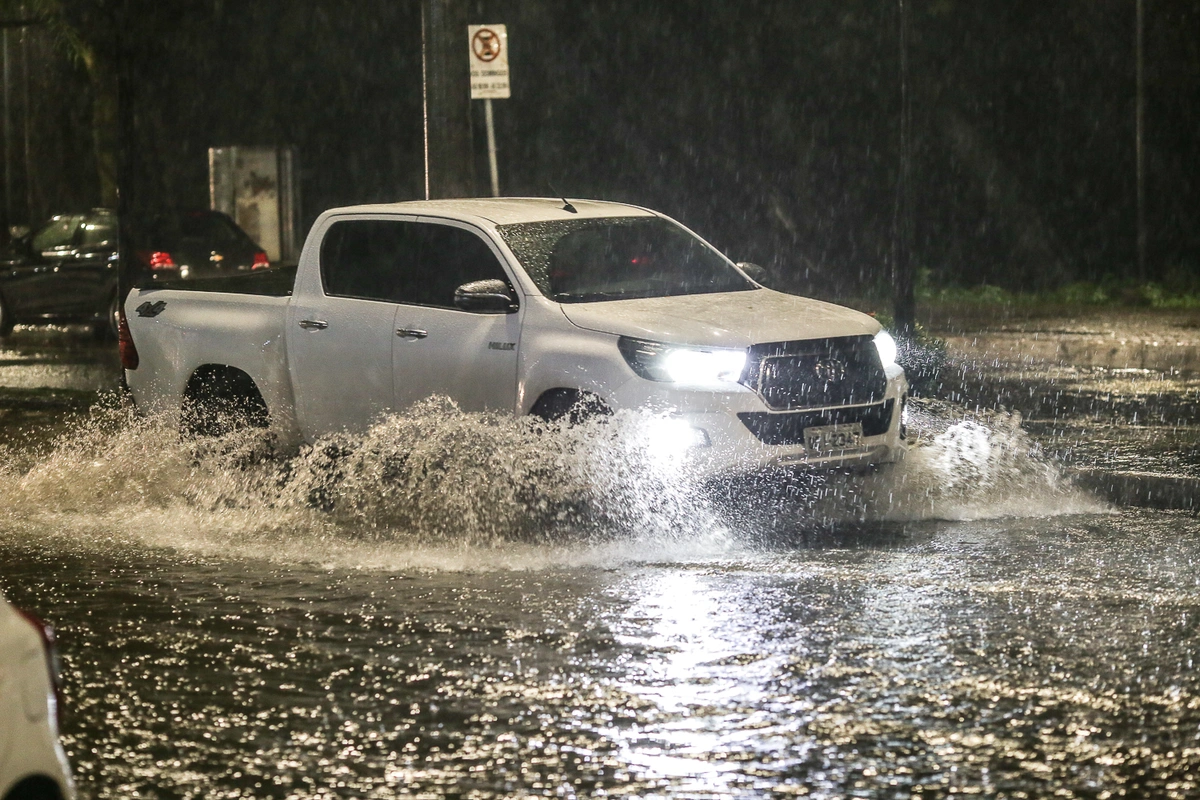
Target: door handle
314	324
411	333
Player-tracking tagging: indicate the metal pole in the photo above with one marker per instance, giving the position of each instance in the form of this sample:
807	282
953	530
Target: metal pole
491	136
425	95
7	142
29	209
1141	152
902	272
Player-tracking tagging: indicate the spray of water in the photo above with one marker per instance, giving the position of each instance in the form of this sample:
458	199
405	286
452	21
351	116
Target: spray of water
435	483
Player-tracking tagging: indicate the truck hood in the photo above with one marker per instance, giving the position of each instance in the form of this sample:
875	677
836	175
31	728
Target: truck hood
732	319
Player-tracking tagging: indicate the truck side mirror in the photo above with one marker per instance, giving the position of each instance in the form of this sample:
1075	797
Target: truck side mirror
492	296
755	272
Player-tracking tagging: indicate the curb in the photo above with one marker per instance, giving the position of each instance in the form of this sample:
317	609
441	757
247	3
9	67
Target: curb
1139	489
1168	353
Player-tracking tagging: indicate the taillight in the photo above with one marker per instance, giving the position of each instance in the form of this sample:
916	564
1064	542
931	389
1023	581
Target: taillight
157	259
53	665
260	261
129	353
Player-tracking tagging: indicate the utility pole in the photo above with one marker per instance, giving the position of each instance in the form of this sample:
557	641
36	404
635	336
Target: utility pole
7	127
449	161
905	310
26	112
1140	112
127	276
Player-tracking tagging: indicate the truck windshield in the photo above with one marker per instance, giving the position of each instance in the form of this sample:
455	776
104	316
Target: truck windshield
618	258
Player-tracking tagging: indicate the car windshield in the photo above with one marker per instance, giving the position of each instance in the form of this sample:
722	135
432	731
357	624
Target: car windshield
617	258
58	232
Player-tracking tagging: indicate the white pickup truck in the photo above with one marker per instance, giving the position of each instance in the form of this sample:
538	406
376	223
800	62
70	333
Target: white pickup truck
531	306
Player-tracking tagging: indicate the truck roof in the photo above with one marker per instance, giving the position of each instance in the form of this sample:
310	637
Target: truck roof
502	210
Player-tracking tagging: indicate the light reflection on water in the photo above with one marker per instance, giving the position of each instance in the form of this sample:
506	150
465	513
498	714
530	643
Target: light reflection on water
224	637
1009	656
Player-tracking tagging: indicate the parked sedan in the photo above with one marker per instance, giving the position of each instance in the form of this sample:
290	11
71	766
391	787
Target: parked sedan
32	762
66	271
194	244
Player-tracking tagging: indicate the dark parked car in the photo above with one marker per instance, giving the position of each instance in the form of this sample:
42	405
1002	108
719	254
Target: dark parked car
193	244
66	271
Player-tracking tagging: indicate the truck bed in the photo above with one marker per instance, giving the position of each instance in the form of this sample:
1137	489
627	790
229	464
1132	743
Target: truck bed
273	282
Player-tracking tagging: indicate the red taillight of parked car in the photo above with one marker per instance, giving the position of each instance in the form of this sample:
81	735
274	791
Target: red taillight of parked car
129	353
157	259
260	261
53	665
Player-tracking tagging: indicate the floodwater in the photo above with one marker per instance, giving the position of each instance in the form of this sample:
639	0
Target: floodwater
464	605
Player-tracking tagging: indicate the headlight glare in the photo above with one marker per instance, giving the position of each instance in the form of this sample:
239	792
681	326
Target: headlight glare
886	346
691	365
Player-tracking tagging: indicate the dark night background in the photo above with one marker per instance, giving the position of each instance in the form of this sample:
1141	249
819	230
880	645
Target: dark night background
772	128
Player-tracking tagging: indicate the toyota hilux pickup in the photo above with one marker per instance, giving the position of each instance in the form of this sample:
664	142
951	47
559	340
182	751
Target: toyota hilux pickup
528	306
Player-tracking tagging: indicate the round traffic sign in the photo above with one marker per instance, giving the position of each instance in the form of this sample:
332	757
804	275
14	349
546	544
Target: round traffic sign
486	44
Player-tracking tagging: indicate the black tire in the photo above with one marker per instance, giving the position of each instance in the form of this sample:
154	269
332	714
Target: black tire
38	787
221	400
6	319
569	406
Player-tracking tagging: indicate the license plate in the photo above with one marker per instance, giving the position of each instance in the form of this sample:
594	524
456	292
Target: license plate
833	437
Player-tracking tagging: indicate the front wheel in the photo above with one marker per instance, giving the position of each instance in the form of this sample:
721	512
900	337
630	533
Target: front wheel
569	406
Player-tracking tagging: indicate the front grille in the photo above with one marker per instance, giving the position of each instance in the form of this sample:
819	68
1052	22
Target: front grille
816	372
788	429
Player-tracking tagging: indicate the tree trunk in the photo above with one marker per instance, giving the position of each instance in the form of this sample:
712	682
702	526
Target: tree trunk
103	78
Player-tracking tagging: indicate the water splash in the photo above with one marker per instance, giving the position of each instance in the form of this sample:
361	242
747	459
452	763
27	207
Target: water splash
441	488
960	465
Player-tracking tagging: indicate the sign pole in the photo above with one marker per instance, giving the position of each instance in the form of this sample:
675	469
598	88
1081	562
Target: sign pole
491	134
489	80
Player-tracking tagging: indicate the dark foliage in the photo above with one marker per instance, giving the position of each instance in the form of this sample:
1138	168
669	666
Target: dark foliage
769	126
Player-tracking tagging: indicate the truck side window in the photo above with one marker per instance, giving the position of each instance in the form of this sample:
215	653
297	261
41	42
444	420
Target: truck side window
368	259
450	257
403	262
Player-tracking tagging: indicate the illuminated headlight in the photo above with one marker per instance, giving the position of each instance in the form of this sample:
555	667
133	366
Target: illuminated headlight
886	346
693	365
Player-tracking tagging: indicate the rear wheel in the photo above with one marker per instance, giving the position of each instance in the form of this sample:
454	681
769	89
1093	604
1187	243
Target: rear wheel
220	400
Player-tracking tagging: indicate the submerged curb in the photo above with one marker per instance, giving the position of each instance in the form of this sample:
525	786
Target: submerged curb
1141	489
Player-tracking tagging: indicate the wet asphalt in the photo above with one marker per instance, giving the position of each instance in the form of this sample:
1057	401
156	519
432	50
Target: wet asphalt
984	628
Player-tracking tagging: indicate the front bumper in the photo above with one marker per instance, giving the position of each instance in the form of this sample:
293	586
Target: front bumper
732	432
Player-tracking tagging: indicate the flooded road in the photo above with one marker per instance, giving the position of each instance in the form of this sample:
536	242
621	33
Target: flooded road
455	605
1050	657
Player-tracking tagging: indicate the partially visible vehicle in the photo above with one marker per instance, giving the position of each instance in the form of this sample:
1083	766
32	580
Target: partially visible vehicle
194	244
33	765
66	271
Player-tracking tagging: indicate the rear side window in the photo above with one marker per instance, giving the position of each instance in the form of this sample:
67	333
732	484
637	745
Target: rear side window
398	261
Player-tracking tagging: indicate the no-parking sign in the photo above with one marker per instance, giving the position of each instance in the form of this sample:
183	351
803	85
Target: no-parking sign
489	62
